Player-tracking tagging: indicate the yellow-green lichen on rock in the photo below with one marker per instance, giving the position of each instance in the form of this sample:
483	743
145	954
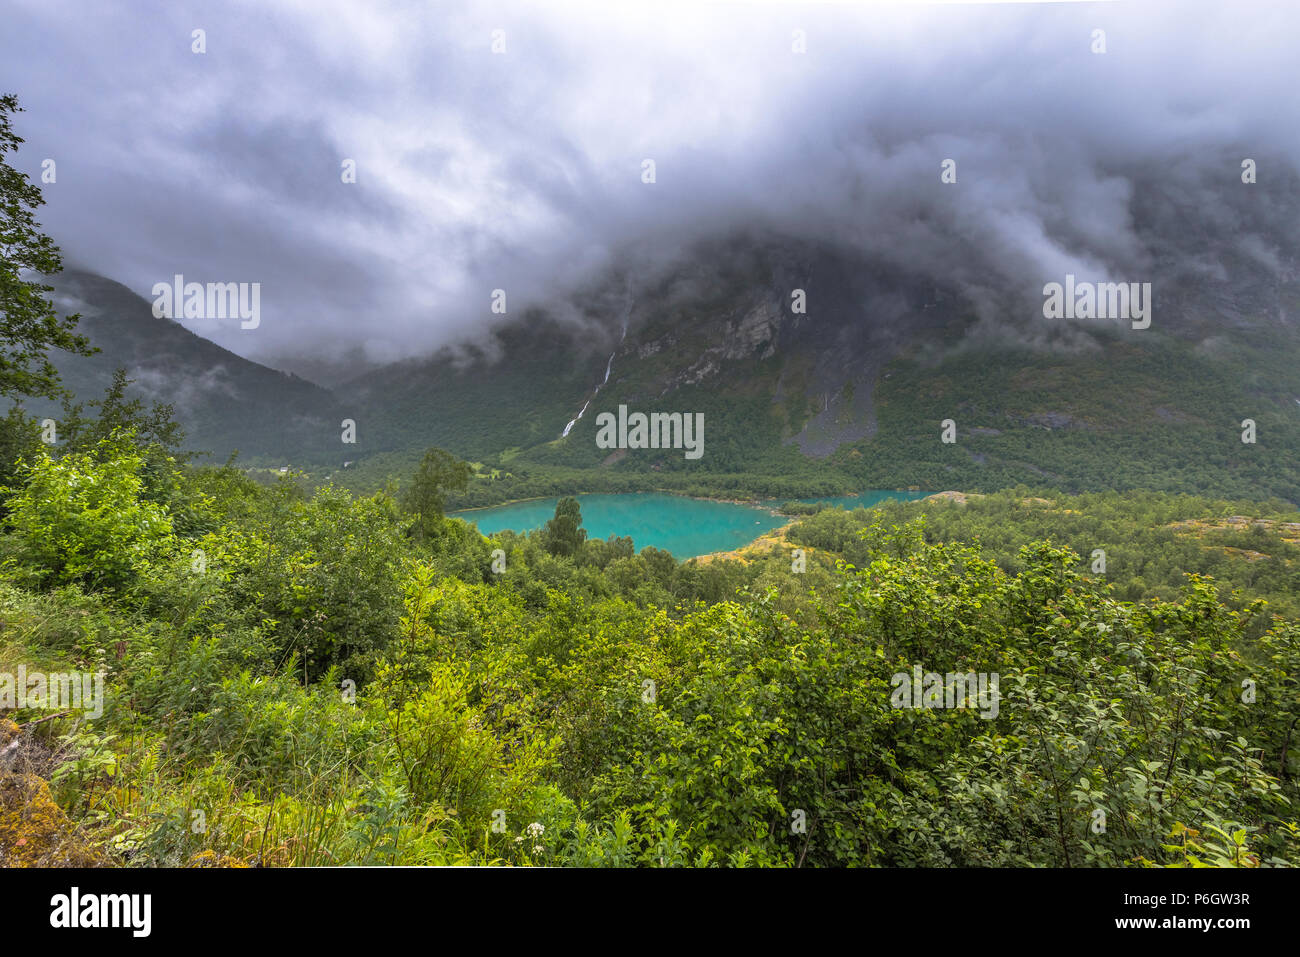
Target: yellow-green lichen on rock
34	831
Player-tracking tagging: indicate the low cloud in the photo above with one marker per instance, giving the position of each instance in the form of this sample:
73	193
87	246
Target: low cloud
522	170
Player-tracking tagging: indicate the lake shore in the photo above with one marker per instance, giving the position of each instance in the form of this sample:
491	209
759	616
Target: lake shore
685	525
760	503
750	502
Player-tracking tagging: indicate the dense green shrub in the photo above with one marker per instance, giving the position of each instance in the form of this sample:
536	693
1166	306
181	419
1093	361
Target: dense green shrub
80	518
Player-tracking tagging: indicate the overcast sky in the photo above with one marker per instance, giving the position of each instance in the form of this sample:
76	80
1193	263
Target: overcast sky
522	170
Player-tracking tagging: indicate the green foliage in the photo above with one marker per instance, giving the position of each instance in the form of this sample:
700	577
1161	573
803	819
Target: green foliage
327	581
439	474
80	519
1151	540
564	534
153	430
19	440
322	687
29	326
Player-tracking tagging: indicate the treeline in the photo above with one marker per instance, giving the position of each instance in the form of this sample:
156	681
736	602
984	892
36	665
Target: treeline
1151	541
517	481
1134	413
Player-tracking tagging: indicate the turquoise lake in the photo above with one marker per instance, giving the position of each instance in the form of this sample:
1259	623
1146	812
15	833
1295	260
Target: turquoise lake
684	526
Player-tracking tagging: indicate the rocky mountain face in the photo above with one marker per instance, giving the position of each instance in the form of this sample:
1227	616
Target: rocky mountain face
805	329
814	326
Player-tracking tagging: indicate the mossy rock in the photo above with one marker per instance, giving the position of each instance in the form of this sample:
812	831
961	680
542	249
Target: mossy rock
34	831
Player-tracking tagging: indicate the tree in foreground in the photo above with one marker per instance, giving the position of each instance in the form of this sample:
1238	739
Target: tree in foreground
154	428
29	325
439	473
564	533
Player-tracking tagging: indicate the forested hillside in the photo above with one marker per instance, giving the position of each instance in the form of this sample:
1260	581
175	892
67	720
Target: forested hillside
225	402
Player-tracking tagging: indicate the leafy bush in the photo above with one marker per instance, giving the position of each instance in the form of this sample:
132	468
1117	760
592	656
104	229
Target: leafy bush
80	518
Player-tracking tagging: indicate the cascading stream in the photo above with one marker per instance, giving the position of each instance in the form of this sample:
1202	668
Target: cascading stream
609	367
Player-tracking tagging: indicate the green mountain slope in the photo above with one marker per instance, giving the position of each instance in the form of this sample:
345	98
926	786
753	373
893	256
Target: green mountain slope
225	402
853	393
